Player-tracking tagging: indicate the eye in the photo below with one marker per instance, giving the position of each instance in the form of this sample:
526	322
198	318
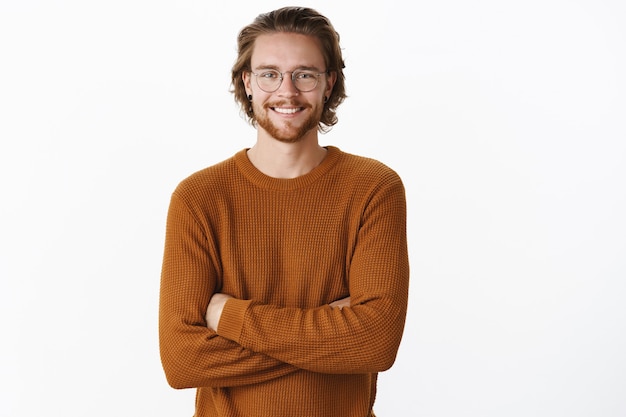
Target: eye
304	75
270	75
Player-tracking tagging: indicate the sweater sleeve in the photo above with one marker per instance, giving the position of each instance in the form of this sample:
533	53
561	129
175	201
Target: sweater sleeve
191	354
362	338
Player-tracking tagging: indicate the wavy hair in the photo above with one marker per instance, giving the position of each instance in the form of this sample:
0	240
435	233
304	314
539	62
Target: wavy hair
304	21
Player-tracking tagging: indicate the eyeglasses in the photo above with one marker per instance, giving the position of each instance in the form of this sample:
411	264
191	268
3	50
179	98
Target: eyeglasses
304	80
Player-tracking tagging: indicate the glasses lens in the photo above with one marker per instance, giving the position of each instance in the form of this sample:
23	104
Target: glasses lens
268	81
305	80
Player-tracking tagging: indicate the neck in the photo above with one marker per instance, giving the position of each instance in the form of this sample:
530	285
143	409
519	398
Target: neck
286	160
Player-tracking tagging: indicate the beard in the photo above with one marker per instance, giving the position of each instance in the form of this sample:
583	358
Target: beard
288	132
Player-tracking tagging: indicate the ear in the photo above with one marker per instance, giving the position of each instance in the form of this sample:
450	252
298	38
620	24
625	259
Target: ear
246	77
331	78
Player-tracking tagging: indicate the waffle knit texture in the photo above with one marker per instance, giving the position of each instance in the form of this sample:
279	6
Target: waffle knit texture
285	249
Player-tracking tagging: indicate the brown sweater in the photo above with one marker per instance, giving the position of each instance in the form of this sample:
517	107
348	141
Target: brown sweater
285	249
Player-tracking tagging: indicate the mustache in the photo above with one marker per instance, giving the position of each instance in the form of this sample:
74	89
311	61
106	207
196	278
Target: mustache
287	103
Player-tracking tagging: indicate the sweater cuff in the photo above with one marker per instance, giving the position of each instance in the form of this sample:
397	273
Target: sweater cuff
231	320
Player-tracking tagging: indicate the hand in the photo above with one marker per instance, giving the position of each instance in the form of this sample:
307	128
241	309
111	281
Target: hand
214	310
344	302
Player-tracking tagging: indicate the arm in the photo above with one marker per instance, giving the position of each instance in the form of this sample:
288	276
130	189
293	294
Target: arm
360	338
193	355
218	300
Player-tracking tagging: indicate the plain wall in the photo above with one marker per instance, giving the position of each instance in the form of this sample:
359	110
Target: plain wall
506	120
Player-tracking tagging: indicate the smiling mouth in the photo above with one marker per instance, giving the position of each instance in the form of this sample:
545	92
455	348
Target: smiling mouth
287	110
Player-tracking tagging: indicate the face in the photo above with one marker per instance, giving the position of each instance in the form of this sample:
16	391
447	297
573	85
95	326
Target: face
287	114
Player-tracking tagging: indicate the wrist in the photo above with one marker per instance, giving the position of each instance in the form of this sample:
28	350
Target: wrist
232	319
215	310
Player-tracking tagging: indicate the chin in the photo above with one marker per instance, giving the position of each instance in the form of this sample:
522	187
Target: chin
288	133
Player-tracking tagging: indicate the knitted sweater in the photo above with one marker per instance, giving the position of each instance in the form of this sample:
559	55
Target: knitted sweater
285	249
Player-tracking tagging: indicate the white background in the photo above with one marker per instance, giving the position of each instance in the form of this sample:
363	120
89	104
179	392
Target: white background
506	120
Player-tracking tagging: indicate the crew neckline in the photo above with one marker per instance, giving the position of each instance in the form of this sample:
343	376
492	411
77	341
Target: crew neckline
265	181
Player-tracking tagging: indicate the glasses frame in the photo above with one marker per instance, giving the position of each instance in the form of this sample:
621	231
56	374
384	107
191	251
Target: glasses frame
293	79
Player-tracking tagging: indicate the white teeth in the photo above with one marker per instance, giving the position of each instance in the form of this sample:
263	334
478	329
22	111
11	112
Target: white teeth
286	111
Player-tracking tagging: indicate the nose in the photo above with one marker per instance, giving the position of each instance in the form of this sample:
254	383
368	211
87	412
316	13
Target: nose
287	87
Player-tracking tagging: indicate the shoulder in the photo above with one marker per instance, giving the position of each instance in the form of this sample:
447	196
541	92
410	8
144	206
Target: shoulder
208	180
362	168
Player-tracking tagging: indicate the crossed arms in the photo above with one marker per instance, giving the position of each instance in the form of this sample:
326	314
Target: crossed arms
211	339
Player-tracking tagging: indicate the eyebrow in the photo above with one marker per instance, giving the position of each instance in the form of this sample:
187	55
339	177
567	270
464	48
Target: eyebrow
274	67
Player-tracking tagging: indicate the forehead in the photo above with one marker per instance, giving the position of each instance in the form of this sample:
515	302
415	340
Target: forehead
287	51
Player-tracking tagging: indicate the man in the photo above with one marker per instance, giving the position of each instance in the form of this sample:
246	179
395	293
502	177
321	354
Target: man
285	273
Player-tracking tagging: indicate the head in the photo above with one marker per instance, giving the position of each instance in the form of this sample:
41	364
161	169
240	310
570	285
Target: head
300	20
